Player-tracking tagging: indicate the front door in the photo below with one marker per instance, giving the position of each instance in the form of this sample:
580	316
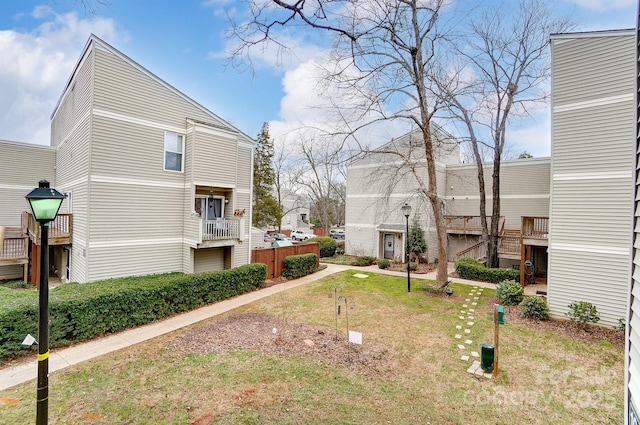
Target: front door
388	246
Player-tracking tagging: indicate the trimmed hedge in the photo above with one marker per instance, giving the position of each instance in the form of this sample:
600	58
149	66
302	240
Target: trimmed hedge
78	312
364	261
299	265
328	245
472	269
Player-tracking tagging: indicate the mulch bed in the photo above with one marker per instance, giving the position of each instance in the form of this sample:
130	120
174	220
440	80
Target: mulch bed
574	330
255	332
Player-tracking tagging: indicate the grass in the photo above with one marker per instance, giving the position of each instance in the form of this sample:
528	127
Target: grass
418	376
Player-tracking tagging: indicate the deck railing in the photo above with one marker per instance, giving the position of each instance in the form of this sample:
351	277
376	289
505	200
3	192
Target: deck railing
509	245
477	251
60	229
215	230
535	227
469	223
14	246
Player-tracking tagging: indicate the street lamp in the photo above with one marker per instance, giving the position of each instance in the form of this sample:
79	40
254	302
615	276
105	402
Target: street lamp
44	203
406	210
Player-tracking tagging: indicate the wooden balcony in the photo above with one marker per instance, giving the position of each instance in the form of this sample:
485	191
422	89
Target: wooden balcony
535	231
468	224
14	250
60	229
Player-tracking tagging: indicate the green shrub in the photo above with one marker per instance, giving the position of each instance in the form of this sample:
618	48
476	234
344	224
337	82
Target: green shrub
472	269
384	263
328	245
583	312
78	312
621	326
299	265
364	261
510	292
413	266
535	308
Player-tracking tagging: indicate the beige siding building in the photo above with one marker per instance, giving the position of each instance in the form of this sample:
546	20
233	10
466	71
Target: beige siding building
154	181
380	183
593	139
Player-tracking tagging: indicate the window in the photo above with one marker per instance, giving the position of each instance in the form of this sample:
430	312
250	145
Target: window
173	151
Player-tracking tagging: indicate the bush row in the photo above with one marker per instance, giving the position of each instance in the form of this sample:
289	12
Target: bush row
78	312
328	245
299	265
469	268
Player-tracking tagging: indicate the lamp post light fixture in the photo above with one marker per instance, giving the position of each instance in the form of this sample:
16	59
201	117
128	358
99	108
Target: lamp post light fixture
406	210
44	203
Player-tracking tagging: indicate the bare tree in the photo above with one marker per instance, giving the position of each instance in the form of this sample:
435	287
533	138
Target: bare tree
502	65
382	52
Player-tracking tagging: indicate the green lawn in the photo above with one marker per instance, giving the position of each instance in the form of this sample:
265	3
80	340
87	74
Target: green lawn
407	371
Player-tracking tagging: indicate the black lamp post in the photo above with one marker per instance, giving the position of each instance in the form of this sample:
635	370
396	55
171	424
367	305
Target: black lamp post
44	203
406	210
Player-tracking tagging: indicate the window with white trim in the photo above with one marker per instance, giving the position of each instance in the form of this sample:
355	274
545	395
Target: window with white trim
173	151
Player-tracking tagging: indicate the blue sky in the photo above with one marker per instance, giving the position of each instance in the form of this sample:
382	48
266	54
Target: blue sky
183	42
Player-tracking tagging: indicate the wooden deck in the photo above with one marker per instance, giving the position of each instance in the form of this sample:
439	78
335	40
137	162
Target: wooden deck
14	245
60	229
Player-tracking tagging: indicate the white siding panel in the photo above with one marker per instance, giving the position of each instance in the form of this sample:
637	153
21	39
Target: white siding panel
23	166
134	260
129	211
574	277
124	88
215	159
580	68
76	102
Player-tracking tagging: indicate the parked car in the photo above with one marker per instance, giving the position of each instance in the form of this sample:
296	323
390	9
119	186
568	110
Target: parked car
336	234
268	238
280	236
301	235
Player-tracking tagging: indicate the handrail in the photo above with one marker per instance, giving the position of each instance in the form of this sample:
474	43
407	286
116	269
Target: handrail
477	251
535	227
221	229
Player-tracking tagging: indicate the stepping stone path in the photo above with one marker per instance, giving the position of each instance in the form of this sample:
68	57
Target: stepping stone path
467	316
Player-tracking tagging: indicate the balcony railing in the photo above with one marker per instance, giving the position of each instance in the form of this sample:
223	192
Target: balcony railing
469	224
222	229
14	247
60	229
535	227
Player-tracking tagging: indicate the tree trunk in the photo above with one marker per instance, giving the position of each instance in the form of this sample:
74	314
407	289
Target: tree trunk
492	251
436	206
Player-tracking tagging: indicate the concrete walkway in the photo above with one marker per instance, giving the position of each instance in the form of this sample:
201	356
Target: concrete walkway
64	357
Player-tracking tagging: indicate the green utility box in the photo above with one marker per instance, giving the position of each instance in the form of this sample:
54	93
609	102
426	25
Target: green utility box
487	356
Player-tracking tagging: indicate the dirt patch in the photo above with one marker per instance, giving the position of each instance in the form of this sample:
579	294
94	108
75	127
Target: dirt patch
574	330
268	334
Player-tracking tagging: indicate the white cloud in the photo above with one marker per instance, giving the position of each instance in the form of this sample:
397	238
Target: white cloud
604	5
36	65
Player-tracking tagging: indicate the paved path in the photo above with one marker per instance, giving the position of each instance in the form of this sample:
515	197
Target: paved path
61	358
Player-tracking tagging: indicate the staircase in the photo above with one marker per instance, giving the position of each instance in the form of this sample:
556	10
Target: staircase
508	247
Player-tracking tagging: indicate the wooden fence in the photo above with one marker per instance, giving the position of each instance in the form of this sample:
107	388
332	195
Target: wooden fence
274	257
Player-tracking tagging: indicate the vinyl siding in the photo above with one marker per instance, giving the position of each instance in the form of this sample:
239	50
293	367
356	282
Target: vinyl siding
524	189
75	103
591	187
23	166
632	368
134	259
125	88
377	186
